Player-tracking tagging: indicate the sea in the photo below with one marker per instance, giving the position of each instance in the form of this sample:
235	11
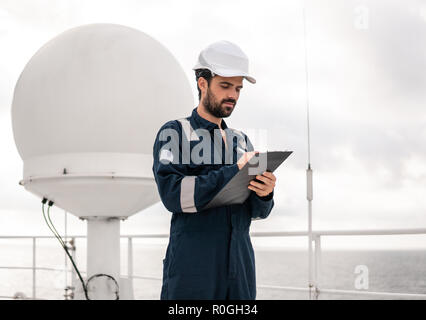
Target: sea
396	271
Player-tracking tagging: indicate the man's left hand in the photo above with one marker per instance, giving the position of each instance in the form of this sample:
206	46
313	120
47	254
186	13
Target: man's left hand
266	187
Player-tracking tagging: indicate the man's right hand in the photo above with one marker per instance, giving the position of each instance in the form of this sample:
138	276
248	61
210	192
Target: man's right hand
246	158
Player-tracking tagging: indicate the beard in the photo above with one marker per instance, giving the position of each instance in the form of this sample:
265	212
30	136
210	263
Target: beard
215	108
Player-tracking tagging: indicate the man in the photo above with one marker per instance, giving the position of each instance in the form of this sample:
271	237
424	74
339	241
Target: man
210	255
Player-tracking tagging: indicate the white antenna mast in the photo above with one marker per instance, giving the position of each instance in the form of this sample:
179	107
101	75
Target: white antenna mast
309	195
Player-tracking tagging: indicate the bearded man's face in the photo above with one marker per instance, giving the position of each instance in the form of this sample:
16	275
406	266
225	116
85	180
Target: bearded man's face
222	95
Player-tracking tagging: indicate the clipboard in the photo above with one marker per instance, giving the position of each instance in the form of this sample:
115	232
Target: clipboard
236	191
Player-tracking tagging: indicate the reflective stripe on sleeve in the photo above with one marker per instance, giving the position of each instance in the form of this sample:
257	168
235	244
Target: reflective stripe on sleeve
187	188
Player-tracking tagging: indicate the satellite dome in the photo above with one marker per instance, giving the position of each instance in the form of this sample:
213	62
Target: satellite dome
85	113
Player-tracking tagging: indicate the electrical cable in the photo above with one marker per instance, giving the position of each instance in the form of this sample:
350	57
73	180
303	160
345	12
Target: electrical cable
64	246
45	219
117	297
58	237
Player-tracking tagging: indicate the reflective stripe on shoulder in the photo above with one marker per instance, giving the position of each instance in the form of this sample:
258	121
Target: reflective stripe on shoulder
187	189
189	131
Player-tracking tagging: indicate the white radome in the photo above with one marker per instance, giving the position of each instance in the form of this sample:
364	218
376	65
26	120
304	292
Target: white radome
85	113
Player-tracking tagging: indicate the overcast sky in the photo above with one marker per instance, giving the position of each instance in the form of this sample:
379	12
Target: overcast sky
367	80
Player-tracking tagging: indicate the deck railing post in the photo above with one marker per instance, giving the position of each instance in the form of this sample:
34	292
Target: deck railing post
130	258
65	254
34	267
74	257
317	264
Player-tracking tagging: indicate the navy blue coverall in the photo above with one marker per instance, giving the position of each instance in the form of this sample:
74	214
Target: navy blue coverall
209	255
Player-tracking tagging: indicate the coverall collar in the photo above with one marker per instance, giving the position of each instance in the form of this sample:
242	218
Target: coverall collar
205	124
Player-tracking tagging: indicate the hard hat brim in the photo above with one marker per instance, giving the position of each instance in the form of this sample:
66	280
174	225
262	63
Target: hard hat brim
227	73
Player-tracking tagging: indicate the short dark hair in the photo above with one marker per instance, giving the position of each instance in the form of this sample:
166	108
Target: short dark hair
204	73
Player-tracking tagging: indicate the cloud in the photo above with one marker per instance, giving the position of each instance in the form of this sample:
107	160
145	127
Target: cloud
368	128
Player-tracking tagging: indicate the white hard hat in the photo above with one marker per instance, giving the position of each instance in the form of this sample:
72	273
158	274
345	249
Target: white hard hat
225	59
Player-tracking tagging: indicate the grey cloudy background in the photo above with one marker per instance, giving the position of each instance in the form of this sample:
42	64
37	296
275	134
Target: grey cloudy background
366	62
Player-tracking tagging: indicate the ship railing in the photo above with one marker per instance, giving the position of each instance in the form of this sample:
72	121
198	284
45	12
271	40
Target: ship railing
313	289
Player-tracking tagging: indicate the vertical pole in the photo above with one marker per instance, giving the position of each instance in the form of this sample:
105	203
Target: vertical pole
34	267
310	251
127	291
308	171
74	257
103	251
130	258
309	196
65	255
317	264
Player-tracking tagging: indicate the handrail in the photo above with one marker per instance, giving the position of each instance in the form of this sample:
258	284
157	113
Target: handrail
31	268
354	232
372	293
20	298
316	237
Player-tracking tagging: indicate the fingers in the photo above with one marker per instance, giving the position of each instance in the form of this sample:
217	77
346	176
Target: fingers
266	180
259	185
266	186
259	192
269	175
262	189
